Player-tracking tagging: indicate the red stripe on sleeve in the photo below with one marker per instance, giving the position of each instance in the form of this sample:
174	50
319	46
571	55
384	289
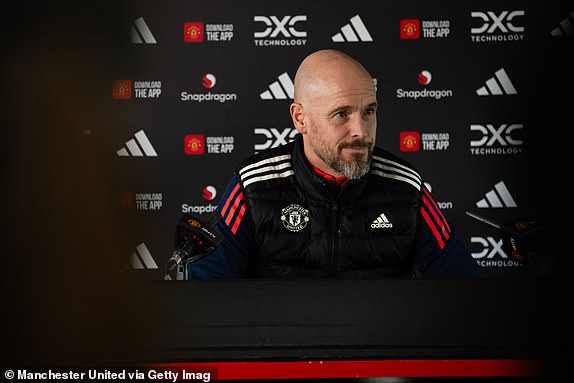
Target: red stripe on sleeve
440	222
238	200
432	201
433	228
229	200
238	218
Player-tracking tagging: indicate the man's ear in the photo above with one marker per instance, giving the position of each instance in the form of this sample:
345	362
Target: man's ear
298	117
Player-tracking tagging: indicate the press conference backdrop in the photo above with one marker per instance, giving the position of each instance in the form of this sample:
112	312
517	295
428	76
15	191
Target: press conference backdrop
468	93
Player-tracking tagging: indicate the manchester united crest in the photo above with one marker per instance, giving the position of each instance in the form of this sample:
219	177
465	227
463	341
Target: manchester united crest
294	217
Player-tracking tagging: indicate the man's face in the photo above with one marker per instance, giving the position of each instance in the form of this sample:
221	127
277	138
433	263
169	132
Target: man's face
342	127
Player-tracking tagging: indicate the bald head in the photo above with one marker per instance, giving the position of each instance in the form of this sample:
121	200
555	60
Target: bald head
325	69
334	109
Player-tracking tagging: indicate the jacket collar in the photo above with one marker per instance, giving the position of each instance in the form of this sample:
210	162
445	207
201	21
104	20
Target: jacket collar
316	185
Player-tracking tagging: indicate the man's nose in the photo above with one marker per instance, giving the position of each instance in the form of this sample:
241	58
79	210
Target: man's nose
358	127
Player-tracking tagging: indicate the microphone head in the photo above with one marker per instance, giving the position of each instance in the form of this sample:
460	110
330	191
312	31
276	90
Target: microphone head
523	239
520	238
192	227
193	240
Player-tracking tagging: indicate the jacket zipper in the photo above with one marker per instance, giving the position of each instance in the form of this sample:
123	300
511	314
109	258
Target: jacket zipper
335	238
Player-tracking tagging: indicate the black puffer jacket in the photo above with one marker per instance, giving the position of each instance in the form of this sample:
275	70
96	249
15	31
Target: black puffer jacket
301	230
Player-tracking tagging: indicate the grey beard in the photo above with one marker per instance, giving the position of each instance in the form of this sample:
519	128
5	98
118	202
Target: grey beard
353	171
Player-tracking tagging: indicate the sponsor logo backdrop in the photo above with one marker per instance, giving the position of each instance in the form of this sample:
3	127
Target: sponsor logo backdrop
462	88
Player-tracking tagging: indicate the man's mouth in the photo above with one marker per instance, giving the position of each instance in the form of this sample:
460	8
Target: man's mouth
355	146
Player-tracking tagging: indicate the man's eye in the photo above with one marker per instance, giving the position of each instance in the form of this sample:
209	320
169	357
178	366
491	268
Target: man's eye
341	114
370	111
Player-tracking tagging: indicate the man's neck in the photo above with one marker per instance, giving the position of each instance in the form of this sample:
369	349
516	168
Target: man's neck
333	182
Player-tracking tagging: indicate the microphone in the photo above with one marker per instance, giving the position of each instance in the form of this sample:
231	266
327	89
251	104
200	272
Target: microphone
194	239
521	238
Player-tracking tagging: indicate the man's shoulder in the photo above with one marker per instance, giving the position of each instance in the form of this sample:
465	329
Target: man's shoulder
267	154
383	154
391	166
267	167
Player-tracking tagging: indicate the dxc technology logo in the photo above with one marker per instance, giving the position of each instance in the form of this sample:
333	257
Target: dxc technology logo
280	31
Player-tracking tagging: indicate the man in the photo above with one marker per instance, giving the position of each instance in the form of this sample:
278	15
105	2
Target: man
330	203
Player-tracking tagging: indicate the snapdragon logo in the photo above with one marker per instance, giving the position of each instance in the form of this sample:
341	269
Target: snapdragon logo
208	193
197	209
208	81
424	78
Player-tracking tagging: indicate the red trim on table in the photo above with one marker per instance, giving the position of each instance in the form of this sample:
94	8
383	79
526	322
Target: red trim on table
366	368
